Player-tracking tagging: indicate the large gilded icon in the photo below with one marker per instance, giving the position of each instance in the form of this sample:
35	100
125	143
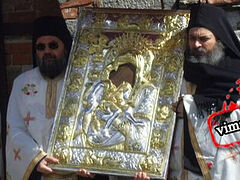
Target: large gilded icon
125	70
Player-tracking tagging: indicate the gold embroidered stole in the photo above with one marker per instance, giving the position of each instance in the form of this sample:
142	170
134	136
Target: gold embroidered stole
51	97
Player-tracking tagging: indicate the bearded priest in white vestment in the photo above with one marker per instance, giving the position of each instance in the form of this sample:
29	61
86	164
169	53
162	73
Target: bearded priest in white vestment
33	101
211	69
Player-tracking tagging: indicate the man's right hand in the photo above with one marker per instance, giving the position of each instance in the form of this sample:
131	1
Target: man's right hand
141	176
43	165
85	173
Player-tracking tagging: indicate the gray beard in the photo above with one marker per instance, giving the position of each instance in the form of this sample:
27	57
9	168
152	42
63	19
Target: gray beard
213	57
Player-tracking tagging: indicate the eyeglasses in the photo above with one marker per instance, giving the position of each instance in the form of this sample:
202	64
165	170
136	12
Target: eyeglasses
41	46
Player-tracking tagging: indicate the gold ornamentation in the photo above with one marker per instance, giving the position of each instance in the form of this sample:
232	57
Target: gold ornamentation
163	113
75	82
70	107
94	159
94	75
169	87
143	116
158	140
98	43
99	20
117	106
155	77
172	23
124	22
83	39
135	49
150	164
173	65
144	23
104	161
131	42
110	121
80	59
63	154
112	101
161	60
111	162
64	132
173	29
88	160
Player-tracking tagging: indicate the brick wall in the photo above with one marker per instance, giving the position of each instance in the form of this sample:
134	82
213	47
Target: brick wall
17	17
18	58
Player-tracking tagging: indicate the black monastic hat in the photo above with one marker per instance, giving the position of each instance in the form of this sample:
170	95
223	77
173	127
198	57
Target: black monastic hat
53	26
215	19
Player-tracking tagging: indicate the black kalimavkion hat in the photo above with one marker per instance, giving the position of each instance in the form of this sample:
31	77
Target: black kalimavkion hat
215	19
50	26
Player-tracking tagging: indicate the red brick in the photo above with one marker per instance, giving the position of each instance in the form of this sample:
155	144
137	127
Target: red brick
47	12
18	47
7	7
8	59
75	3
46	4
24	6
19	17
22	59
70	13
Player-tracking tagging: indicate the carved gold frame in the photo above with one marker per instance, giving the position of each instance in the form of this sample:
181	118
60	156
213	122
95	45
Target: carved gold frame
120	130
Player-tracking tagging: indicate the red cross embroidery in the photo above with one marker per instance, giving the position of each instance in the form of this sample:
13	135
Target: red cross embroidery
209	165
16	154
28	118
233	154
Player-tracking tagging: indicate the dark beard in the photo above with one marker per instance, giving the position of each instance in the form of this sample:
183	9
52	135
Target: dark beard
51	67
213	57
